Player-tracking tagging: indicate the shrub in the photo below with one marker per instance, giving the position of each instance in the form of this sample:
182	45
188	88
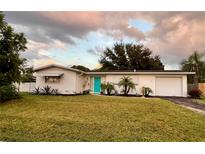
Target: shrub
195	93
103	88
127	84
55	92
146	91
110	88
86	92
47	90
8	92
107	87
116	92
37	91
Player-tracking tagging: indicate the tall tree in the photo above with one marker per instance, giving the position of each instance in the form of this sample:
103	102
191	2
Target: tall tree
11	65
195	63
129	57
11	44
81	67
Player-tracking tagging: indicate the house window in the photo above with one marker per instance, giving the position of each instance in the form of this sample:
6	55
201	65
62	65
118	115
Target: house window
52	79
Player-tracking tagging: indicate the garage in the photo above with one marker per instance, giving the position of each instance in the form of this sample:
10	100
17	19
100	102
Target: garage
169	86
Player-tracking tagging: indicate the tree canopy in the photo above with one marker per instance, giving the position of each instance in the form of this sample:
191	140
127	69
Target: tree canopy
27	75
11	44
11	65
129	57
195	63
80	67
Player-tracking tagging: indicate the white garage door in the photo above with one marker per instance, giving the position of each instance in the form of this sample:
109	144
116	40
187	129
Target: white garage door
166	86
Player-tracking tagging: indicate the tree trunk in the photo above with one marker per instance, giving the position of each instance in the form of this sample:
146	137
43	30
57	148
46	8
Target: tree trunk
108	91
196	81
125	90
196	77
128	90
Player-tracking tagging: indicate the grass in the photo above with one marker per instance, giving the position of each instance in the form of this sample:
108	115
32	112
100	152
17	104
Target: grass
98	118
203	99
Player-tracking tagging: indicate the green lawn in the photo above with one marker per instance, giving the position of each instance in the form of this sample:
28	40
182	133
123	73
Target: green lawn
203	98
98	118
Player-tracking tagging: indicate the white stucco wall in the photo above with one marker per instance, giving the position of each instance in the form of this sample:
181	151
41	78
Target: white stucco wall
146	81
82	82
75	82
116	78
184	86
139	80
143	81
67	84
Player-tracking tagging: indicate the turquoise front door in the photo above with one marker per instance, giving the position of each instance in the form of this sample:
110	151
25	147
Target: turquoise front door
97	83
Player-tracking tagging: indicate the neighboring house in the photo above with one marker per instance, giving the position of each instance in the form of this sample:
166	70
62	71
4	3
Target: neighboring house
72	81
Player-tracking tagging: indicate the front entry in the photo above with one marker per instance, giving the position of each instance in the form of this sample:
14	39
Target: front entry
97	84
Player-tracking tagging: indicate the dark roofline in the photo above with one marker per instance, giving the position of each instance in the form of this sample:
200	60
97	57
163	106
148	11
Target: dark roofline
58	66
137	71
116	71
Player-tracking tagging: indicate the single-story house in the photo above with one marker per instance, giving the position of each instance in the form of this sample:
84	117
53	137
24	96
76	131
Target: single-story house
73	81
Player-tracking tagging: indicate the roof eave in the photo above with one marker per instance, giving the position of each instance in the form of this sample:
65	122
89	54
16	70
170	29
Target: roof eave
142	73
115	73
58	66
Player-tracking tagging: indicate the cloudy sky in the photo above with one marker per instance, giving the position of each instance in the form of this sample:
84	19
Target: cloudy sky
79	38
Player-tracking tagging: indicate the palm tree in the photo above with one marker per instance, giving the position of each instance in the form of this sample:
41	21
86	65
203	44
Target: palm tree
196	64
103	87
127	84
109	87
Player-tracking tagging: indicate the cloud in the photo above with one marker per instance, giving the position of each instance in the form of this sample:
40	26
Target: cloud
43	62
174	35
33	45
92	51
38	52
63	26
38	27
33	55
97	51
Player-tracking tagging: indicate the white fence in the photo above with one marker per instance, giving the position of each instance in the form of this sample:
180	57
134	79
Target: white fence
26	86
